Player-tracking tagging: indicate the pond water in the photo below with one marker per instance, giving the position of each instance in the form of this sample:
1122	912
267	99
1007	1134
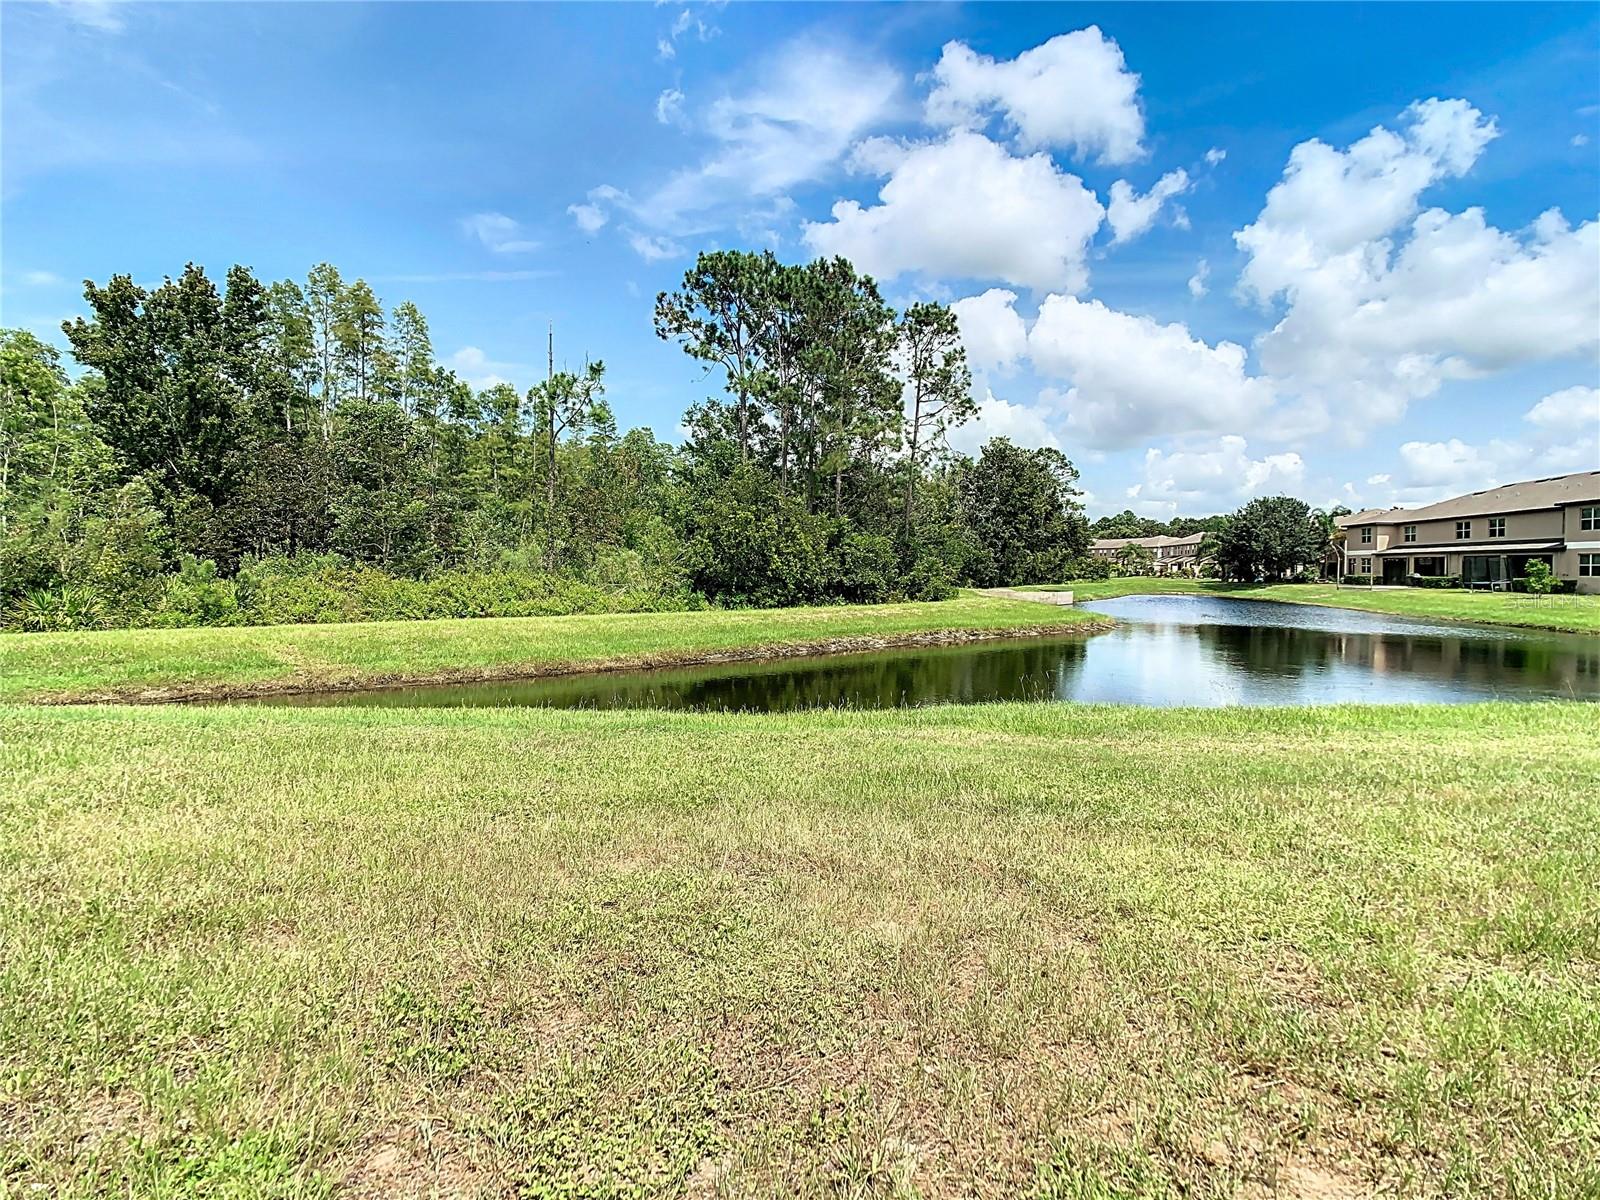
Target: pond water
1164	651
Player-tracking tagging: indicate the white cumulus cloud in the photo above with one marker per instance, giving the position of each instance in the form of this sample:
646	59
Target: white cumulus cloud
995	336
1132	377
1131	214
965	208
1073	92
1213	477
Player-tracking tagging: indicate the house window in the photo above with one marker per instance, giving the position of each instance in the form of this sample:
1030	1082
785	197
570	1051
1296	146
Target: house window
1366	566
1589	518
1463	530
1366	535
1589	566
1410	533
1431	566
1497	527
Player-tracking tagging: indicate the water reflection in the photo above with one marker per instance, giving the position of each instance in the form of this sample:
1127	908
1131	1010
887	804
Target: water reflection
1165	651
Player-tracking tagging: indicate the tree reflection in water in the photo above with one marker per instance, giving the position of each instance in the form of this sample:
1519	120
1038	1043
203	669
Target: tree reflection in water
1165	651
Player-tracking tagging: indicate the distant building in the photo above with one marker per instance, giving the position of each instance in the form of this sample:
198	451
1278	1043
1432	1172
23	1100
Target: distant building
1486	538
1173	555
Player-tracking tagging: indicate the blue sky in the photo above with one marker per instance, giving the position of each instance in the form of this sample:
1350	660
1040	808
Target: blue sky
1348	252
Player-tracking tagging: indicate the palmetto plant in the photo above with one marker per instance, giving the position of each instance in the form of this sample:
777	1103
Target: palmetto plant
45	610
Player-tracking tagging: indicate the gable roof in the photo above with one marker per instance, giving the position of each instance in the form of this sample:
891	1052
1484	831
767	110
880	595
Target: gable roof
1152	543
1551	492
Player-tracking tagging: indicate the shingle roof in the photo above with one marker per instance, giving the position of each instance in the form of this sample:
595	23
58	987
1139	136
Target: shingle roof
1194	539
1551	492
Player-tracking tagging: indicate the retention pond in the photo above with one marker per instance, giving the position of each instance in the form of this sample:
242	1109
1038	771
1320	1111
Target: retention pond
1164	651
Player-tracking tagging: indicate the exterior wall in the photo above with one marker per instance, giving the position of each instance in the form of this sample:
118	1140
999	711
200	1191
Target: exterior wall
1579	541
1542	525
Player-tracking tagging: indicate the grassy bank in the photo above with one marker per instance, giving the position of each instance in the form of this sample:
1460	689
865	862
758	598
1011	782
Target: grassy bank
1578	614
153	664
1016	950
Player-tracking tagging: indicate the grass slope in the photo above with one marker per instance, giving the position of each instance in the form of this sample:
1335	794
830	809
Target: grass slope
1579	614
993	951
168	663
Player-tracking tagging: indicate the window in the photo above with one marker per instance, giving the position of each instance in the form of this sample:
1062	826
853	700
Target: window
1589	518
1463	530
1431	566
1589	566
1410	533
1366	566
1366	535
1497	527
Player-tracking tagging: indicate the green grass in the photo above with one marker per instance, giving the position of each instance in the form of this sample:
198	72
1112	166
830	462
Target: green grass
1579	614
1045	951
167	663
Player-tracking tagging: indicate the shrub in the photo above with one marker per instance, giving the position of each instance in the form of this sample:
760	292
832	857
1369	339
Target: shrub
1539	579
196	596
1435	581
53	610
1362	579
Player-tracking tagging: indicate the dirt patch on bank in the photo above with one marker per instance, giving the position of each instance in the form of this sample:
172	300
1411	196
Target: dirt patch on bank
313	682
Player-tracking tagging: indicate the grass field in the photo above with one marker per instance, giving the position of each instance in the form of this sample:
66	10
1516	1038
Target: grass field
146	664
990	951
1579	614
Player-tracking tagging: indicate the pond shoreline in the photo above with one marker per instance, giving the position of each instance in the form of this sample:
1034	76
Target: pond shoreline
201	693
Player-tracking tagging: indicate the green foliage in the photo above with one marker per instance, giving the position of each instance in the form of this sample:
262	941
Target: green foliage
1134	559
43	610
1539	579
1021	508
1271	538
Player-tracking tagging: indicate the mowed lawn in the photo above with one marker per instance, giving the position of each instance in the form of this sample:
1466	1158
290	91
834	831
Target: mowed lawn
135	664
988	951
1577	614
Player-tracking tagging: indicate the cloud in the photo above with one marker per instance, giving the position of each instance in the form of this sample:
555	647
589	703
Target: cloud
39	278
1213	477
1197	281
686	22
995	337
103	16
1130	375
1130	214
590	217
1073	92
1385	303
478	369
1026	425
669	106
498	232
654	249
965	208
1574	409
1580	140
1561	434
813	102
1215	155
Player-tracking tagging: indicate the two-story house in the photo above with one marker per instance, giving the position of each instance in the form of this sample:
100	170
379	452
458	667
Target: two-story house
1171	555
1486	537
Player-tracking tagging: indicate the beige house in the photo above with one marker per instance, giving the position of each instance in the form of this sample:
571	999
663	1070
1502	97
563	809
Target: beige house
1173	555
1487	538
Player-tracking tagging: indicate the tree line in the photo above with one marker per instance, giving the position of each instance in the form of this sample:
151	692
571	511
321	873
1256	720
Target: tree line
262	451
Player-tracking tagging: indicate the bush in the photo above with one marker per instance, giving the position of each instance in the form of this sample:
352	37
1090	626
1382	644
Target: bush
54	610
1435	581
1367	580
1539	579
1088	566
196	596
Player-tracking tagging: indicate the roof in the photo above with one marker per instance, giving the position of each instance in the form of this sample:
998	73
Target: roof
1551	492
1151	543
1367	516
